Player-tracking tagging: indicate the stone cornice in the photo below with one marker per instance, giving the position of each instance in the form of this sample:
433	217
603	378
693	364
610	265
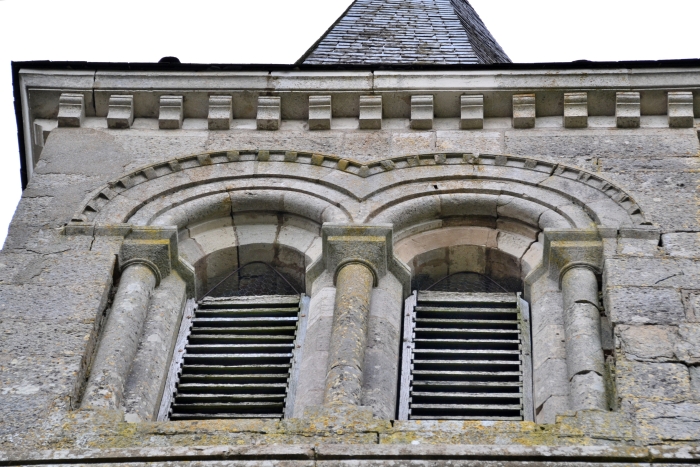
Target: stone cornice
40	92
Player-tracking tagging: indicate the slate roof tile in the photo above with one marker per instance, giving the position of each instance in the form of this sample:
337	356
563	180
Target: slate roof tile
407	32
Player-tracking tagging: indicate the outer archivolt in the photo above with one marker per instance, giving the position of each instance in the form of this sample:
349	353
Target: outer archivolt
342	175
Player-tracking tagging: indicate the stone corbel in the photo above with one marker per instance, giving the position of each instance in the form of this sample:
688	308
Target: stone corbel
71	110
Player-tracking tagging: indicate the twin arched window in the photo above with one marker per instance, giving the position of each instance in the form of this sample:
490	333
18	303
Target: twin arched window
465	353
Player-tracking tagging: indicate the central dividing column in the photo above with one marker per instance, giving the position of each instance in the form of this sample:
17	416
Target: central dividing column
349	334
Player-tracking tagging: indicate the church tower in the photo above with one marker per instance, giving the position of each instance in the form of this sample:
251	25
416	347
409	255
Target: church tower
401	250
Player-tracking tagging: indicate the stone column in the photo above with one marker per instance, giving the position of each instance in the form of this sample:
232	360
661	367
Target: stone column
120	337
584	350
349	334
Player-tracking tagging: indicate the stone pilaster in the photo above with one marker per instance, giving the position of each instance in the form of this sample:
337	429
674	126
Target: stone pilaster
357	257
143	264
346	358
584	350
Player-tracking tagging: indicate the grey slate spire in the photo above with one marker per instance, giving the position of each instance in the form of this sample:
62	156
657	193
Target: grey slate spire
407	32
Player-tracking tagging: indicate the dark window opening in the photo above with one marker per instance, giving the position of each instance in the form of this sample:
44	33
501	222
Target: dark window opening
466	353
238	349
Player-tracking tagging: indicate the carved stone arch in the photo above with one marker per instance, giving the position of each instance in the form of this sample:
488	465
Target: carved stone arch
540	216
512	195
361	189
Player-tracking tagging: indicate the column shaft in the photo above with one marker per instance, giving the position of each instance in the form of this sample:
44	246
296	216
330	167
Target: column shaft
584	350
120	338
349	335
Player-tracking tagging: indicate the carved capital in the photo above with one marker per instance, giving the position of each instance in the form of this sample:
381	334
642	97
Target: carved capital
153	248
369	245
572	248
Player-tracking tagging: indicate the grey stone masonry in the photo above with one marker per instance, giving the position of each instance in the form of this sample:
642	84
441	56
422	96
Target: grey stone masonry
615	359
407	32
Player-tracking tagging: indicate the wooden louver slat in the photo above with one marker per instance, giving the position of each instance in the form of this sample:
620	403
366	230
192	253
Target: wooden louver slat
236	359
465	357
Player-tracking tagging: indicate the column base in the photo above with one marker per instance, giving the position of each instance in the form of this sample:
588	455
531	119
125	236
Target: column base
339	413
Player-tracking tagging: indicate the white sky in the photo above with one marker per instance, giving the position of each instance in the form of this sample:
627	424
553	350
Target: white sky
280	31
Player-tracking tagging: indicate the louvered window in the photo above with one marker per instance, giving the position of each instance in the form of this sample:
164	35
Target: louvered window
236	358
466	356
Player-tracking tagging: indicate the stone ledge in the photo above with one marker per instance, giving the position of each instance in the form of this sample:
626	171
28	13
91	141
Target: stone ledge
377	454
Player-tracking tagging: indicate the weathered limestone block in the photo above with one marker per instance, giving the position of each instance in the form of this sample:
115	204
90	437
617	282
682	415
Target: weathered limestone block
691	299
171	113
524	111
71	110
269	113
121	111
576	110
661	422
472	112
628	110
549	380
349	335
120	338
320	112
422	112
548	343
680	110
647	343
622	147
654	381
220	112
652	272
370	112
644	305
687	349
682	244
